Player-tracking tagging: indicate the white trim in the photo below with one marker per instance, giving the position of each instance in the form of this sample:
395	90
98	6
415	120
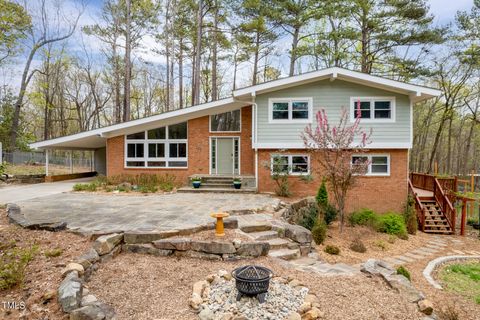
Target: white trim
372	100
210	122
290	119
411	122
146	158
300	145
290	163
342	74
233	152
369	156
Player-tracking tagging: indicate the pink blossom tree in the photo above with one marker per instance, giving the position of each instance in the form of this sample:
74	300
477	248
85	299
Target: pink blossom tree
334	145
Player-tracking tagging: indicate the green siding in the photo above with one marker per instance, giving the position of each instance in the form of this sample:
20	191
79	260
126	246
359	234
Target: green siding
332	96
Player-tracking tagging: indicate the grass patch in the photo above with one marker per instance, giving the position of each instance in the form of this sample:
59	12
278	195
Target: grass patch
13	261
390	223
462	278
404	272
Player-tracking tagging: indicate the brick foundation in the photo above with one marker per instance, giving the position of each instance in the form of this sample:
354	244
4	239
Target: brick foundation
378	193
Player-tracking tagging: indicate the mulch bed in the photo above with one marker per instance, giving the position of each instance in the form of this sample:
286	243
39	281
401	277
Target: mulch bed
42	275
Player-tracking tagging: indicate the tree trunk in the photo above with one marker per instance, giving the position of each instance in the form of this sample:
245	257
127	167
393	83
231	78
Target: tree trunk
128	71
255	60
198	54
214	53
180	73
293	54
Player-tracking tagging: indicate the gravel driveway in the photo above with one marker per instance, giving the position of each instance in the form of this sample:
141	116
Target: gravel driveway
87	212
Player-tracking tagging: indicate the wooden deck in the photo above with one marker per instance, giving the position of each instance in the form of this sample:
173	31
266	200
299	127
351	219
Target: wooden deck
422	192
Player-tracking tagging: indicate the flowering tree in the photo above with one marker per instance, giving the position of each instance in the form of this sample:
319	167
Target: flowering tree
334	146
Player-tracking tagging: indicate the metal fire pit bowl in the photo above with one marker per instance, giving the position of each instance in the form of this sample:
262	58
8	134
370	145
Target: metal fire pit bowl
252	281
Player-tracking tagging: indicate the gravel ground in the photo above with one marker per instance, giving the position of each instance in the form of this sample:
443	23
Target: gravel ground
43	274
147	287
372	241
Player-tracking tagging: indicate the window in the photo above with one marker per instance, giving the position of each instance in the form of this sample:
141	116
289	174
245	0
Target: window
373	109
291	164
226	122
290	110
378	165
164	147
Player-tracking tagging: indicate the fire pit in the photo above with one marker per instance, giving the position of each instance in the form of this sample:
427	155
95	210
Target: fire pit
252	281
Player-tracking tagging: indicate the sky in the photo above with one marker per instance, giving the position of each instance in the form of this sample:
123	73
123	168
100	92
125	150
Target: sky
443	10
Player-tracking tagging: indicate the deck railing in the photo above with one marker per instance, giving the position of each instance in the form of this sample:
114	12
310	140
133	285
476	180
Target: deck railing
445	204
419	208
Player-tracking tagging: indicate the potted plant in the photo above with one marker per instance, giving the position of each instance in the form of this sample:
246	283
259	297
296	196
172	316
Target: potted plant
237	183
196	182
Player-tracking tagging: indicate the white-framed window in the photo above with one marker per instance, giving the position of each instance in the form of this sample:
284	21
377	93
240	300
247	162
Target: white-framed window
378	164
293	164
226	122
373	109
164	147
290	110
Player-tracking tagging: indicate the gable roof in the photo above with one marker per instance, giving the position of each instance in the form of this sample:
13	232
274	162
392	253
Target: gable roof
417	93
94	139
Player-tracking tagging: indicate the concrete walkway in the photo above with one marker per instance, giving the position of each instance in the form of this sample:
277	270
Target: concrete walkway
21	192
86	212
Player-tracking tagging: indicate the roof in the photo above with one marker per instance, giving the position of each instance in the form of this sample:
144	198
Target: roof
417	93
94	139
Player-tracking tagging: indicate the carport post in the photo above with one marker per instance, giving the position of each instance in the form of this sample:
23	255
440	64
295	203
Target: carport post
46	162
71	161
92	161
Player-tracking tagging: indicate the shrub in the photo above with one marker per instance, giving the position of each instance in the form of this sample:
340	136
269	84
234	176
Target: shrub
404	272
329	214
53	253
332	250
472	221
358	246
391	223
309	216
391	239
363	217
13	261
381	244
319	232
85	187
322	195
410	216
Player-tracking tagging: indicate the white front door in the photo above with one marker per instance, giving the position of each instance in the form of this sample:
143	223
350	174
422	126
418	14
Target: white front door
224	155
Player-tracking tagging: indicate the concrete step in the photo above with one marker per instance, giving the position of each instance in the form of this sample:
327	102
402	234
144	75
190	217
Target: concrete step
264	235
216	185
256	226
285	254
216	190
278	243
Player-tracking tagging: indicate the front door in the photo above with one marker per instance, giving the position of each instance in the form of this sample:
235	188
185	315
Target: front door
224	156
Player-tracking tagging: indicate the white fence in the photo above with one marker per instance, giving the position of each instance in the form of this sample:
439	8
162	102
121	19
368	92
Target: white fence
79	158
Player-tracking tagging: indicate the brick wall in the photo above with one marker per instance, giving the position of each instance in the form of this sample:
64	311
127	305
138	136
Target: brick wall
378	193
198	150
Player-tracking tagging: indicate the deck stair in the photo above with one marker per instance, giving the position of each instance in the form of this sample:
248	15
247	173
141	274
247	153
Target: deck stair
435	220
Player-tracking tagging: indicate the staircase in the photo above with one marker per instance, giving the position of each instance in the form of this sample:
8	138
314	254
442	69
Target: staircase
435	220
220	184
281	248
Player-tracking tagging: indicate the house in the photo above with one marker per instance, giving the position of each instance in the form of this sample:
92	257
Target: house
240	135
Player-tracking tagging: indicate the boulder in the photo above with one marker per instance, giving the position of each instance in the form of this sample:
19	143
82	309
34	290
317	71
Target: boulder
88	299
109	256
133	237
306	306
88	258
199	286
230	223
298	233
182	244
313	314
72	266
106	243
253	249
216	247
198	255
293	316
95	311
195	301
405	287
70	292
206	314
425	306
377	267
146	248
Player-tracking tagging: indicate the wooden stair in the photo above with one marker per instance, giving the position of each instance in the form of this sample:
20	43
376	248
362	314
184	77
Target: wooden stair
435	220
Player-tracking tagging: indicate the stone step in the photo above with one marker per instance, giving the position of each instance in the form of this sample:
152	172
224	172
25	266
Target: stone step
264	235
285	254
216	190
256	226
216	185
278	243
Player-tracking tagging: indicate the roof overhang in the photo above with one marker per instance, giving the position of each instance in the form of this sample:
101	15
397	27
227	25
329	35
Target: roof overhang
95	139
415	92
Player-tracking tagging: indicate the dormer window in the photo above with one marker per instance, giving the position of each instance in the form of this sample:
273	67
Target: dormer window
373	109
290	110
